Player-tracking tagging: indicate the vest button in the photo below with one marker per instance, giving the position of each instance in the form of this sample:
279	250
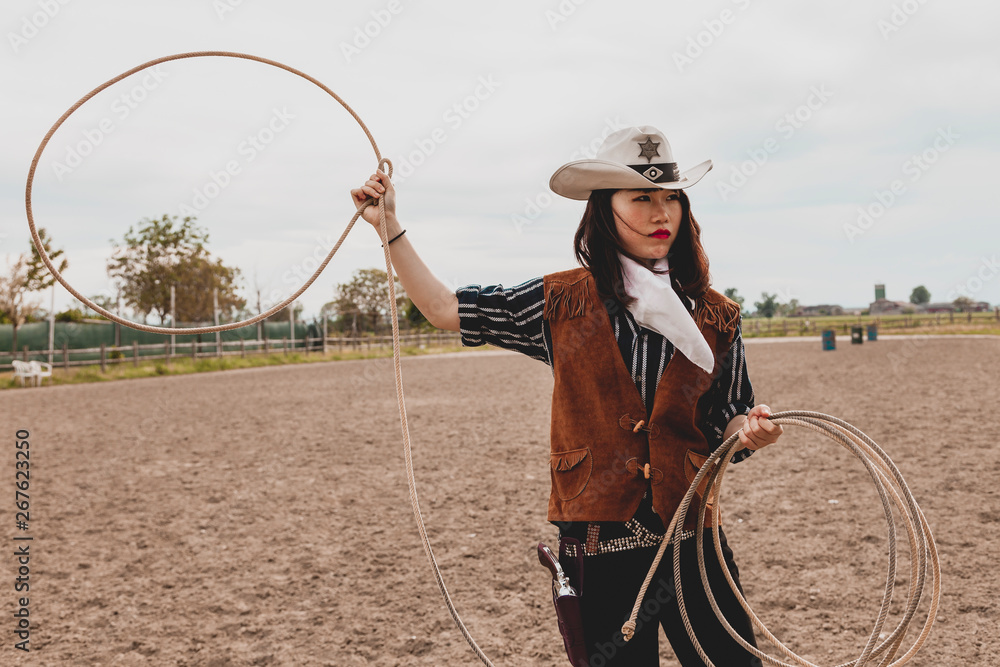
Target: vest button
629	424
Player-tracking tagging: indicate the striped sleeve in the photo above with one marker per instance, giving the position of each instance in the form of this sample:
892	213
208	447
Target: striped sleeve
510	318
732	395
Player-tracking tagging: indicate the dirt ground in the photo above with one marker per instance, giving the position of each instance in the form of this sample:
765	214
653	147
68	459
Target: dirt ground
261	517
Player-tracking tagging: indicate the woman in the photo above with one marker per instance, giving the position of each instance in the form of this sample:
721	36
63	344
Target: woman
649	379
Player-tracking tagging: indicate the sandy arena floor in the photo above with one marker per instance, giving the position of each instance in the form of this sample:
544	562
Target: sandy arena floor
261	517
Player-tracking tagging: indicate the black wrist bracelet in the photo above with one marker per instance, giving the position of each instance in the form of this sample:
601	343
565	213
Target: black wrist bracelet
395	237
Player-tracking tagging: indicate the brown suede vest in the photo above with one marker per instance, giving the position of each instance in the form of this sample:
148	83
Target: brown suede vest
598	459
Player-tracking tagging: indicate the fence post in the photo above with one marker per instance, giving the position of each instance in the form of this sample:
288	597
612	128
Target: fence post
135	353
65	356
305	343
284	345
194	349
166	352
243	348
267	346
25	353
104	363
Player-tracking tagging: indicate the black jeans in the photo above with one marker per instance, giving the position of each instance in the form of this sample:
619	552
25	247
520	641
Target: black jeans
611	583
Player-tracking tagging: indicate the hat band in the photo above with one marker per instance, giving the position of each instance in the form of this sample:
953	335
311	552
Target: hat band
664	172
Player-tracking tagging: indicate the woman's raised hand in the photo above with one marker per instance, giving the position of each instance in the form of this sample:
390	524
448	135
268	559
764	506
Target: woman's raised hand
377	186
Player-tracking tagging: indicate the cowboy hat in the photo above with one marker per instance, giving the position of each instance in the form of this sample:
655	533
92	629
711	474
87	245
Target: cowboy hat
634	158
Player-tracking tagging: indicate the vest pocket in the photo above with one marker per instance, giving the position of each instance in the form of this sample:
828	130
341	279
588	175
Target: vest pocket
570	472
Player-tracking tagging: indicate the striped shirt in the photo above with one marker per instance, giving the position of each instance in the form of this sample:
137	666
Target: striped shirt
511	318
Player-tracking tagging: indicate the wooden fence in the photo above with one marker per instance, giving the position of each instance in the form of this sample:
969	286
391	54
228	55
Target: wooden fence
796	326
134	353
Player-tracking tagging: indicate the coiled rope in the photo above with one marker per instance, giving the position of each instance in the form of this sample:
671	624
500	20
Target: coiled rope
885	475
892	490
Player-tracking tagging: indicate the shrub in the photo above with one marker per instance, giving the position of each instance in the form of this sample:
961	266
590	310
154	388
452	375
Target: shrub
71	315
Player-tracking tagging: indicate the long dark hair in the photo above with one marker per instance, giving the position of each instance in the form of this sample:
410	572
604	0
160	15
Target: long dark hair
597	245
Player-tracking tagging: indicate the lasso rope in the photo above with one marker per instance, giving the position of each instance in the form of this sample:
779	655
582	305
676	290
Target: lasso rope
885	475
382	163
892	489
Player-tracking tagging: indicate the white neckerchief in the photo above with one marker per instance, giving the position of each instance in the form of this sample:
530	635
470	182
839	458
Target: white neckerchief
658	307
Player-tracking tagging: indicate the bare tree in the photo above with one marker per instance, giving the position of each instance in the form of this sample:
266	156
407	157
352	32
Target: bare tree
963	304
14	290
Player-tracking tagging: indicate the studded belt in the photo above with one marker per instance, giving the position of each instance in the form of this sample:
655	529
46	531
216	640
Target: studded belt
641	537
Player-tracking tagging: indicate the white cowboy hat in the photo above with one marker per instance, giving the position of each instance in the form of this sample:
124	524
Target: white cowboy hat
634	158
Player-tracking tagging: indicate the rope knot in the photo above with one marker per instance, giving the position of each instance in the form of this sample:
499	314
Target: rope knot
628	630
387	163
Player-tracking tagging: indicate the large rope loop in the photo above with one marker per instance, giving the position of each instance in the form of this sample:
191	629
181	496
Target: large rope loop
196	330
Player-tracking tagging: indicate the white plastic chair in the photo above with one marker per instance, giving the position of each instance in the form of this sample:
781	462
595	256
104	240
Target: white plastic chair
33	370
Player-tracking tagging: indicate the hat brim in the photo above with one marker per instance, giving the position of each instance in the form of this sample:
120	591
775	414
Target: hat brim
576	180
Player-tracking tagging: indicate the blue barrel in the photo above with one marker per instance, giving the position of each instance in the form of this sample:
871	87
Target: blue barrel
872	332
857	334
829	339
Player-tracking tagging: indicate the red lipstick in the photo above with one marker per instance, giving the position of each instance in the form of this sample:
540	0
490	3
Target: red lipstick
661	234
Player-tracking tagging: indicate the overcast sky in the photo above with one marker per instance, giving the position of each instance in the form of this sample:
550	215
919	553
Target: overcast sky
854	142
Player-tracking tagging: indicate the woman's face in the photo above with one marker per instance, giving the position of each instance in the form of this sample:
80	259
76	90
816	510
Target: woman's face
647	221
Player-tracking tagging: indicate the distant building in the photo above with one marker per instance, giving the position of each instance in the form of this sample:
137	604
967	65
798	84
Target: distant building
814	311
942	307
880	292
887	307
947	307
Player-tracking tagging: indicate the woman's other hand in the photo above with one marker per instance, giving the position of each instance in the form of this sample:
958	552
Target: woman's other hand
757	430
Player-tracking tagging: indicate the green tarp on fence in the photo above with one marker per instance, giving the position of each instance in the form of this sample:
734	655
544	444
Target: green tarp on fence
81	335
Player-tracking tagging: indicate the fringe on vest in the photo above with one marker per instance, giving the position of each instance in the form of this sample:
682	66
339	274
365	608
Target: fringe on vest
717	311
568	460
568	295
566	300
